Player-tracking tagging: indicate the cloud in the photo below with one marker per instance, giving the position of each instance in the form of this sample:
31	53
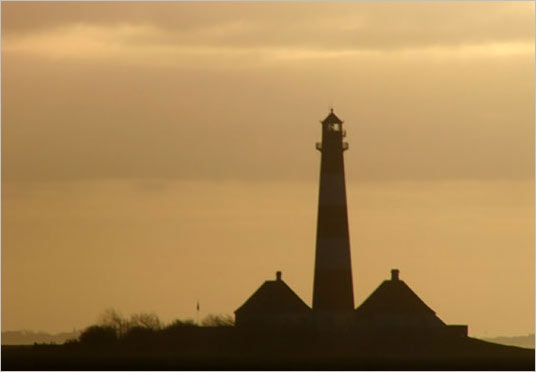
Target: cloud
149	44
338	26
187	90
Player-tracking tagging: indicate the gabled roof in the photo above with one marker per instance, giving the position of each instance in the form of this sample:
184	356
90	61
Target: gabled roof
332	119
394	297
274	296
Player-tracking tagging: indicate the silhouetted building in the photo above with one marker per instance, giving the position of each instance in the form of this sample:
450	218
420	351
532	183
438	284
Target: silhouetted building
274	304
333	298
394	308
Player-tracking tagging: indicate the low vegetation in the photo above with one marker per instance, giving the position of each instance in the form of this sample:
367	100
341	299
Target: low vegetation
113	328
143	342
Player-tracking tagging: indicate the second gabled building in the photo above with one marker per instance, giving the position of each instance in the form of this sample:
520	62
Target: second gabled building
394	308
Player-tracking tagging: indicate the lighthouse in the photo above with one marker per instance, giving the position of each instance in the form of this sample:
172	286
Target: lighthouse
333	298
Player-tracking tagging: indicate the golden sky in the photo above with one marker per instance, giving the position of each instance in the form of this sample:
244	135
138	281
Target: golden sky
154	154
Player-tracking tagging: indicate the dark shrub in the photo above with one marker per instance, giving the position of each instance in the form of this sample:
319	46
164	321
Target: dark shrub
177	323
98	335
139	335
220	320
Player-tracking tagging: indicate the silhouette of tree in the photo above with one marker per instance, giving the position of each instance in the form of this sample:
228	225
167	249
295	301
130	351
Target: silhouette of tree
98	335
220	320
182	323
145	320
113	319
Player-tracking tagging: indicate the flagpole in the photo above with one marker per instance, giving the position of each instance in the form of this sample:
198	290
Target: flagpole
197	312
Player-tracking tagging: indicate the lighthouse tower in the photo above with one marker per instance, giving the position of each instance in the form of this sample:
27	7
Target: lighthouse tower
333	298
